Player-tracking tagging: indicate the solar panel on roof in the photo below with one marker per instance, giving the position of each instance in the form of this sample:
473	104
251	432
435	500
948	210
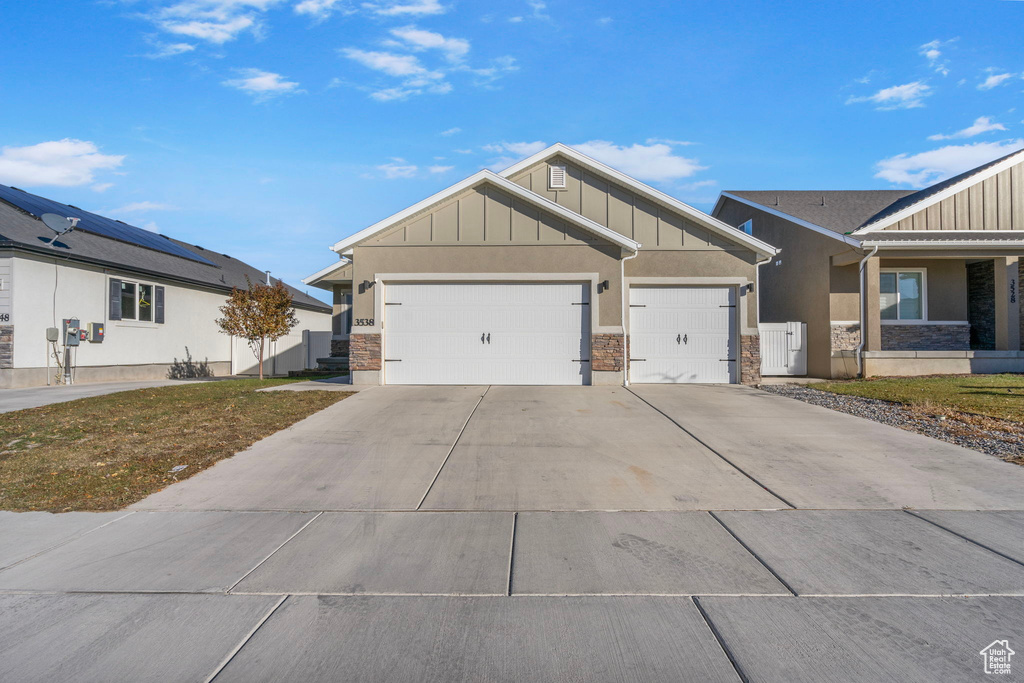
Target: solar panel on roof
96	224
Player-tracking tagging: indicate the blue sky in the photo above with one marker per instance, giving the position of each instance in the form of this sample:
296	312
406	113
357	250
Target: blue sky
269	129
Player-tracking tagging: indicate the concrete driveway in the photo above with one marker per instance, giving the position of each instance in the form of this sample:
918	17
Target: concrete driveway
525	533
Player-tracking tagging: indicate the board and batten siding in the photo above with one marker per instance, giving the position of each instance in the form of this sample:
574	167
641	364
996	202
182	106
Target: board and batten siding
996	203
616	207
483	216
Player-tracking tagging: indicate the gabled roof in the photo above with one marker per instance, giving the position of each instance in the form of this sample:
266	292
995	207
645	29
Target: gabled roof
316	278
24	232
646	191
486	177
922	199
840	211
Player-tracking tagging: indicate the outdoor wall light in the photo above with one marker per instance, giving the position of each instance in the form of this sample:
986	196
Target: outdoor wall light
602	286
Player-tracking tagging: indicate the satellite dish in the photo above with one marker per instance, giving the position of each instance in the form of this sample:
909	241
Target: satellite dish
59	224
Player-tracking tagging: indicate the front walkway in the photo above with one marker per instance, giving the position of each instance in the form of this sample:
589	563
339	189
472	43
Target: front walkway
33	397
509	533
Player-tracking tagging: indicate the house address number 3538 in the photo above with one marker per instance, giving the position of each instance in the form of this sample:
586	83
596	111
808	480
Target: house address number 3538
364	322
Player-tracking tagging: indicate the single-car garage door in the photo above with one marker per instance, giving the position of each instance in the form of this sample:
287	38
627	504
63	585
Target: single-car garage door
682	334
487	333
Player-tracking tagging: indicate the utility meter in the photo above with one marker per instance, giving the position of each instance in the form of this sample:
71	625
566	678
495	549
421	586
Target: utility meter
95	333
72	328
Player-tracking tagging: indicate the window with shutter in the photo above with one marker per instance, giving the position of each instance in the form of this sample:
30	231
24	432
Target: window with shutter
115	300
158	304
556	177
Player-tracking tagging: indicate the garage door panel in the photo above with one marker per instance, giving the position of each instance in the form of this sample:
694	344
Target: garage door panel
534	333
682	334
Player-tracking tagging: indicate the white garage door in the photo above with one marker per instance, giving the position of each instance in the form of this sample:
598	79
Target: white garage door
682	334
494	333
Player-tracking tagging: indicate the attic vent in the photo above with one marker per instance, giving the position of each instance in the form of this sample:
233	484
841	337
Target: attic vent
556	176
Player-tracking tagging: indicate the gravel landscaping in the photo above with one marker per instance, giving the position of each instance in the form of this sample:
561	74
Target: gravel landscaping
1001	438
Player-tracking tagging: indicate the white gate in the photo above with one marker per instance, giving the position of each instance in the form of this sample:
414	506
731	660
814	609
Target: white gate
318	345
783	348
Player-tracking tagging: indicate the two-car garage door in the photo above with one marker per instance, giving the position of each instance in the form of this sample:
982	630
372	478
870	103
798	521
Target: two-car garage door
487	333
539	333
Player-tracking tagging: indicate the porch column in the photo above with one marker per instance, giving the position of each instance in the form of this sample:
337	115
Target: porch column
872	314
1007	300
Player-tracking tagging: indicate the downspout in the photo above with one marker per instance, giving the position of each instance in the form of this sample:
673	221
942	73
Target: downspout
863	312
757	285
625	310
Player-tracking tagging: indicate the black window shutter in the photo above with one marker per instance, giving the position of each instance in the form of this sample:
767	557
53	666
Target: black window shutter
158	304
115	299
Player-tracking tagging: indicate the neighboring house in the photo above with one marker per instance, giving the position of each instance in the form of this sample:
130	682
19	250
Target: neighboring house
933	276
156	299
531	276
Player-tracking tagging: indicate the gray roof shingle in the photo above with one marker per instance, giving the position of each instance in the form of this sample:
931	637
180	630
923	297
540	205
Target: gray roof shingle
21	230
841	211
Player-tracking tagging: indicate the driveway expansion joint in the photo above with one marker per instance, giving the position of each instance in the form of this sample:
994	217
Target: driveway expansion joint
753	554
452	449
966	538
245	639
705	445
718	637
260	563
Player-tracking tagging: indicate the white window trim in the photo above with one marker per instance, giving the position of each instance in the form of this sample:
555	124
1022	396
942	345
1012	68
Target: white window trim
152	294
924	296
747	226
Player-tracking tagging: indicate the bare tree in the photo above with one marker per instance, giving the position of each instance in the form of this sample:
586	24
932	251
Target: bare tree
258	314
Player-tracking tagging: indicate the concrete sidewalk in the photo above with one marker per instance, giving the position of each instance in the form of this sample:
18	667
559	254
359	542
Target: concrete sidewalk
33	397
460	596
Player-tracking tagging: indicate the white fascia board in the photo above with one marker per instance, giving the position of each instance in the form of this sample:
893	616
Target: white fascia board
945	194
853	242
486	176
944	244
646	191
310	280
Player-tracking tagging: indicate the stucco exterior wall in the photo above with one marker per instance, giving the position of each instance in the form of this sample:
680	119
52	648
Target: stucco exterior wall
996	203
794	285
44	293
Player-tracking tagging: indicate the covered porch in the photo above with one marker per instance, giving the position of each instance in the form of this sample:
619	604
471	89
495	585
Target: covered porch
337	278
930	310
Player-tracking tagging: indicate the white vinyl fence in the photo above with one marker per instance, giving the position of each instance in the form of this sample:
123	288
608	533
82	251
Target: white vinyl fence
296	351
783	348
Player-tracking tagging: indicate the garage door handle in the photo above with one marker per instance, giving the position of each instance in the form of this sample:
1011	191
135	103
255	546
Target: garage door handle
488	337
683	339
482	335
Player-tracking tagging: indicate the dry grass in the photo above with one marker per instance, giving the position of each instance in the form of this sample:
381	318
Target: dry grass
106	452
1000	397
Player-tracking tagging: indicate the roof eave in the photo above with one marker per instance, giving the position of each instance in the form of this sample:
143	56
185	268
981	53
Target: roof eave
645	190
848	239
485	176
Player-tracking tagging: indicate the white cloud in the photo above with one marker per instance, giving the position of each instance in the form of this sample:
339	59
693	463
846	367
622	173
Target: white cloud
906	96
101	187
926	168
398	168
64	162
994	79
982	124
170	50
141	207
515	20
520	149
450	132
440	169
411	8
321	9
463	151
655	162
389	62
454	49
667	141
932	51
604	21
215	21
262	85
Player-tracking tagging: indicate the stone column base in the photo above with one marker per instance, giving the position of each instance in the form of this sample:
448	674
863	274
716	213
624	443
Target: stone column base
750	359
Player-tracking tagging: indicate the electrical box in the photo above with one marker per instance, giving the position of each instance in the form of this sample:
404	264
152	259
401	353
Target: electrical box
72	328
52	334
95	333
